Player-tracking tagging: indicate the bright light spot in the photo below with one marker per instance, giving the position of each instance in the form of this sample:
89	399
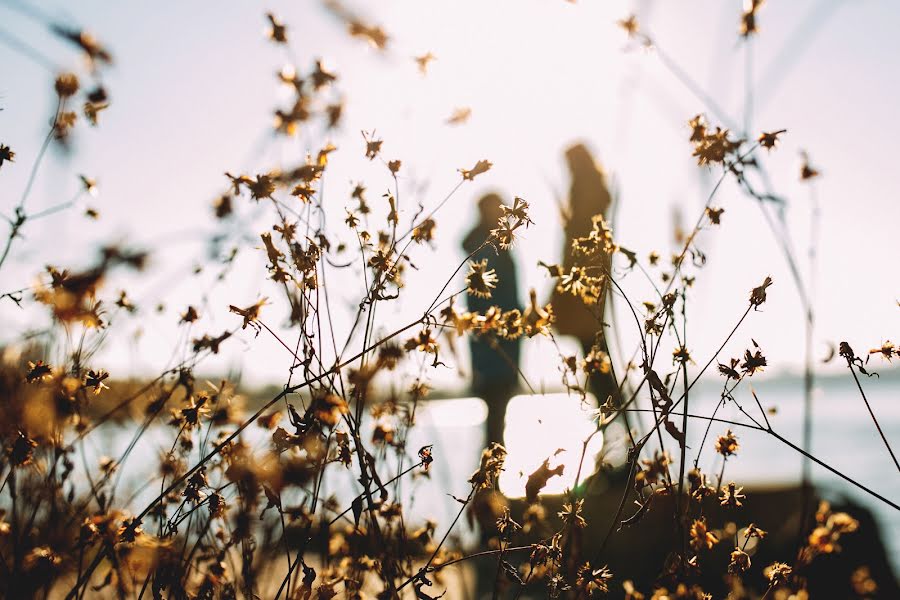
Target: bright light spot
458	412
536	427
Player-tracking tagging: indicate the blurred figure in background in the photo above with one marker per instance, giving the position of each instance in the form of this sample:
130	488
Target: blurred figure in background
588	196
495	362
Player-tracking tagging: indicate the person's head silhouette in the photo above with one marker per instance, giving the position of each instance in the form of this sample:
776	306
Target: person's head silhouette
489	209
579	159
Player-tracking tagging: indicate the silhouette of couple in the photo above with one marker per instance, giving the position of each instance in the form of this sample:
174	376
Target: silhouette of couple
495	362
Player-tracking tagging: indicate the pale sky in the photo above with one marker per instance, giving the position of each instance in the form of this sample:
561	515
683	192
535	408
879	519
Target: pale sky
193	90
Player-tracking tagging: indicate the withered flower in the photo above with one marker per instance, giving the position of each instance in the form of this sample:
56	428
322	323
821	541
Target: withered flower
251	313
758	294
278	31
6	154
94	380
37	371
714	214
482	166
732	496
480	280
778	572
571	514
66	85
590	581
701	537
740	561
727	445
422	61
770	140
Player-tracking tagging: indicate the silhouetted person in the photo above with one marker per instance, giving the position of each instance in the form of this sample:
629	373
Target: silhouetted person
588	196
494	361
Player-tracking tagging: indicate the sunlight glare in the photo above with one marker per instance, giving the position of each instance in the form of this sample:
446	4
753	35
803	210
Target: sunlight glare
536	428
457	412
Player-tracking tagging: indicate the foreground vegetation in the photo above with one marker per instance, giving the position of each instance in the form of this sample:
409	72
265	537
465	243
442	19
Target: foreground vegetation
231	519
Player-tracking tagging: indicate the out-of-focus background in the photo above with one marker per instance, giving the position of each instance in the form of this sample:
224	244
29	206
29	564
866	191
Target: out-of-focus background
193	91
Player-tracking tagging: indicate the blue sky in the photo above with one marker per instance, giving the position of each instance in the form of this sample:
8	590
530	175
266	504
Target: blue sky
193	90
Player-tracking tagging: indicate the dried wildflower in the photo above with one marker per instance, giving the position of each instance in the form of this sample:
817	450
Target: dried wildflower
42	557
841	522
730	370
424	231
426	456
64	122
422	61
887	350
714	214
66	85
778	572
504	235
21	450
480	280
92	110
373	146
681	355
320	77
459	116
727	445
753	531
37	371
753	362
807	171
770	140
698	487
598	241
590	581
262	187
190	416
278	31
630	25
537	320
334	112
581	285
732	496
125	302
251	313
597	361
6	154
701	537
571	514
329	408
862	582
748	17
374	34
190	315
95	379
482	166
740	561
210	343
711	147
193	492
631	592
492	459
698	128
533	517
506	523
758	294
419	390
556	586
